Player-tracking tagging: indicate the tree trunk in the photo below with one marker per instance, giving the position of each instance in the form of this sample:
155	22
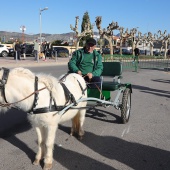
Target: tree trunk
151	49
78	41
133	47
121	46
110	44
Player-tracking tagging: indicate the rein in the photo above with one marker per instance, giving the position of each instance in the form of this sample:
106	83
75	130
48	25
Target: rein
95	85
9	104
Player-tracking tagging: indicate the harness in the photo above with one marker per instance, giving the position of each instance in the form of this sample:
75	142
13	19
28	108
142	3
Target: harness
3	81
68	95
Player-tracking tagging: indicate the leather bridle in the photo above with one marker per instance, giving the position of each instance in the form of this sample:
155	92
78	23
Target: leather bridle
3	81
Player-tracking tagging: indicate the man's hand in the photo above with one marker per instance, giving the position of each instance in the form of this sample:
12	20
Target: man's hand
90	75
79	72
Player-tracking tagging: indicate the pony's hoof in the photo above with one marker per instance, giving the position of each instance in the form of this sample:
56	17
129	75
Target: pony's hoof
36	162
47	166
80	137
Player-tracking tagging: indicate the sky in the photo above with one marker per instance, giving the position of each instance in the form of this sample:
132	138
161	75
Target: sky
146	15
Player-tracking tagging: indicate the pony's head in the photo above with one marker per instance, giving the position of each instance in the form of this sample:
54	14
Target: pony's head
7	81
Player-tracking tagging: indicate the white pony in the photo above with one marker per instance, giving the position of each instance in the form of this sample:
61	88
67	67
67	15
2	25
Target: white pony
22	91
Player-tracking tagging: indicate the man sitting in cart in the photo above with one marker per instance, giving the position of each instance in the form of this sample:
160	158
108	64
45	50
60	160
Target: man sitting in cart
88	63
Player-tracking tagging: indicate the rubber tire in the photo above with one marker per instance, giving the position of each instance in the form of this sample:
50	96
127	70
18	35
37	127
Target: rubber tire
126	105
4	54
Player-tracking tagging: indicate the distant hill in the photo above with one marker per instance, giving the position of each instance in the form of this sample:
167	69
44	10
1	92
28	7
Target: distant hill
7	36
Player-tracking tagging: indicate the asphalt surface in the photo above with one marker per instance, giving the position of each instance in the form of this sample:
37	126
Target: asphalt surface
29	62
141	144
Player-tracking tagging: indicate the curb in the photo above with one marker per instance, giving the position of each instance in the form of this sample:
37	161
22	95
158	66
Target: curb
8	62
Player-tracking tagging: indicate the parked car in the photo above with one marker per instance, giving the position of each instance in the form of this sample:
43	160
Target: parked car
158	53
124	52
61	51
105	50
29	50
3	50
142	52
11	52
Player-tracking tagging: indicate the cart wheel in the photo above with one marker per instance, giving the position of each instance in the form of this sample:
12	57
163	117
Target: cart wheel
126	105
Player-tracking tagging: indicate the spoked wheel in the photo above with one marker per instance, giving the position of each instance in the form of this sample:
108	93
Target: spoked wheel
126	105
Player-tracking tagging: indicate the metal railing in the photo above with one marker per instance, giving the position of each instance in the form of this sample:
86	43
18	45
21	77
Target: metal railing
133	63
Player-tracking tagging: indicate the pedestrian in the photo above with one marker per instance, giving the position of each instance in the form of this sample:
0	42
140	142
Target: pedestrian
36	50
17	51
46	49
13	45
87	62
43	46
50	51
137	52
23	50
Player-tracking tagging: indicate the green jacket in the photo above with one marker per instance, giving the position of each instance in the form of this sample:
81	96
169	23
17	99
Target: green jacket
78	57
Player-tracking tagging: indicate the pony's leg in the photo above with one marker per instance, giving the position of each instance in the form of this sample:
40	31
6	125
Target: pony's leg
49	143
77	123
41	136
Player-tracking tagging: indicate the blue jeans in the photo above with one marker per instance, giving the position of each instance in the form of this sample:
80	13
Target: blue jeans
35	54
94	82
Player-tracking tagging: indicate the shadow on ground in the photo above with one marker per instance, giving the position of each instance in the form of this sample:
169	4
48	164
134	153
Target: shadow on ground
133	155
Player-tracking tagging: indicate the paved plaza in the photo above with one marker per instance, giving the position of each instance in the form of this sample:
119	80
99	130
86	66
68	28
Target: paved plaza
30	62
141	144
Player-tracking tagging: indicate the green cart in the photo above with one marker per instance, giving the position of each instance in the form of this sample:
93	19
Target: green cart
102	97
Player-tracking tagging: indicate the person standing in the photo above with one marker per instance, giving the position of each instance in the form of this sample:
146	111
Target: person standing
137	52
36	50
23	50
87	62
44	49
18	51
13	45
42	46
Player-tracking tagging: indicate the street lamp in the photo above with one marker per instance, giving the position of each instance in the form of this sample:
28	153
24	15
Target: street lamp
46	8
23	28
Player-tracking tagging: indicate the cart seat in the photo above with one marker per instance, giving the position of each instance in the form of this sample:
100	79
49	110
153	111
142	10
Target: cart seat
113	70
110	86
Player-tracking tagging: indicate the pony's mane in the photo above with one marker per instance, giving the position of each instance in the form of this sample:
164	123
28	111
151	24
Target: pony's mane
49	81
22	71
